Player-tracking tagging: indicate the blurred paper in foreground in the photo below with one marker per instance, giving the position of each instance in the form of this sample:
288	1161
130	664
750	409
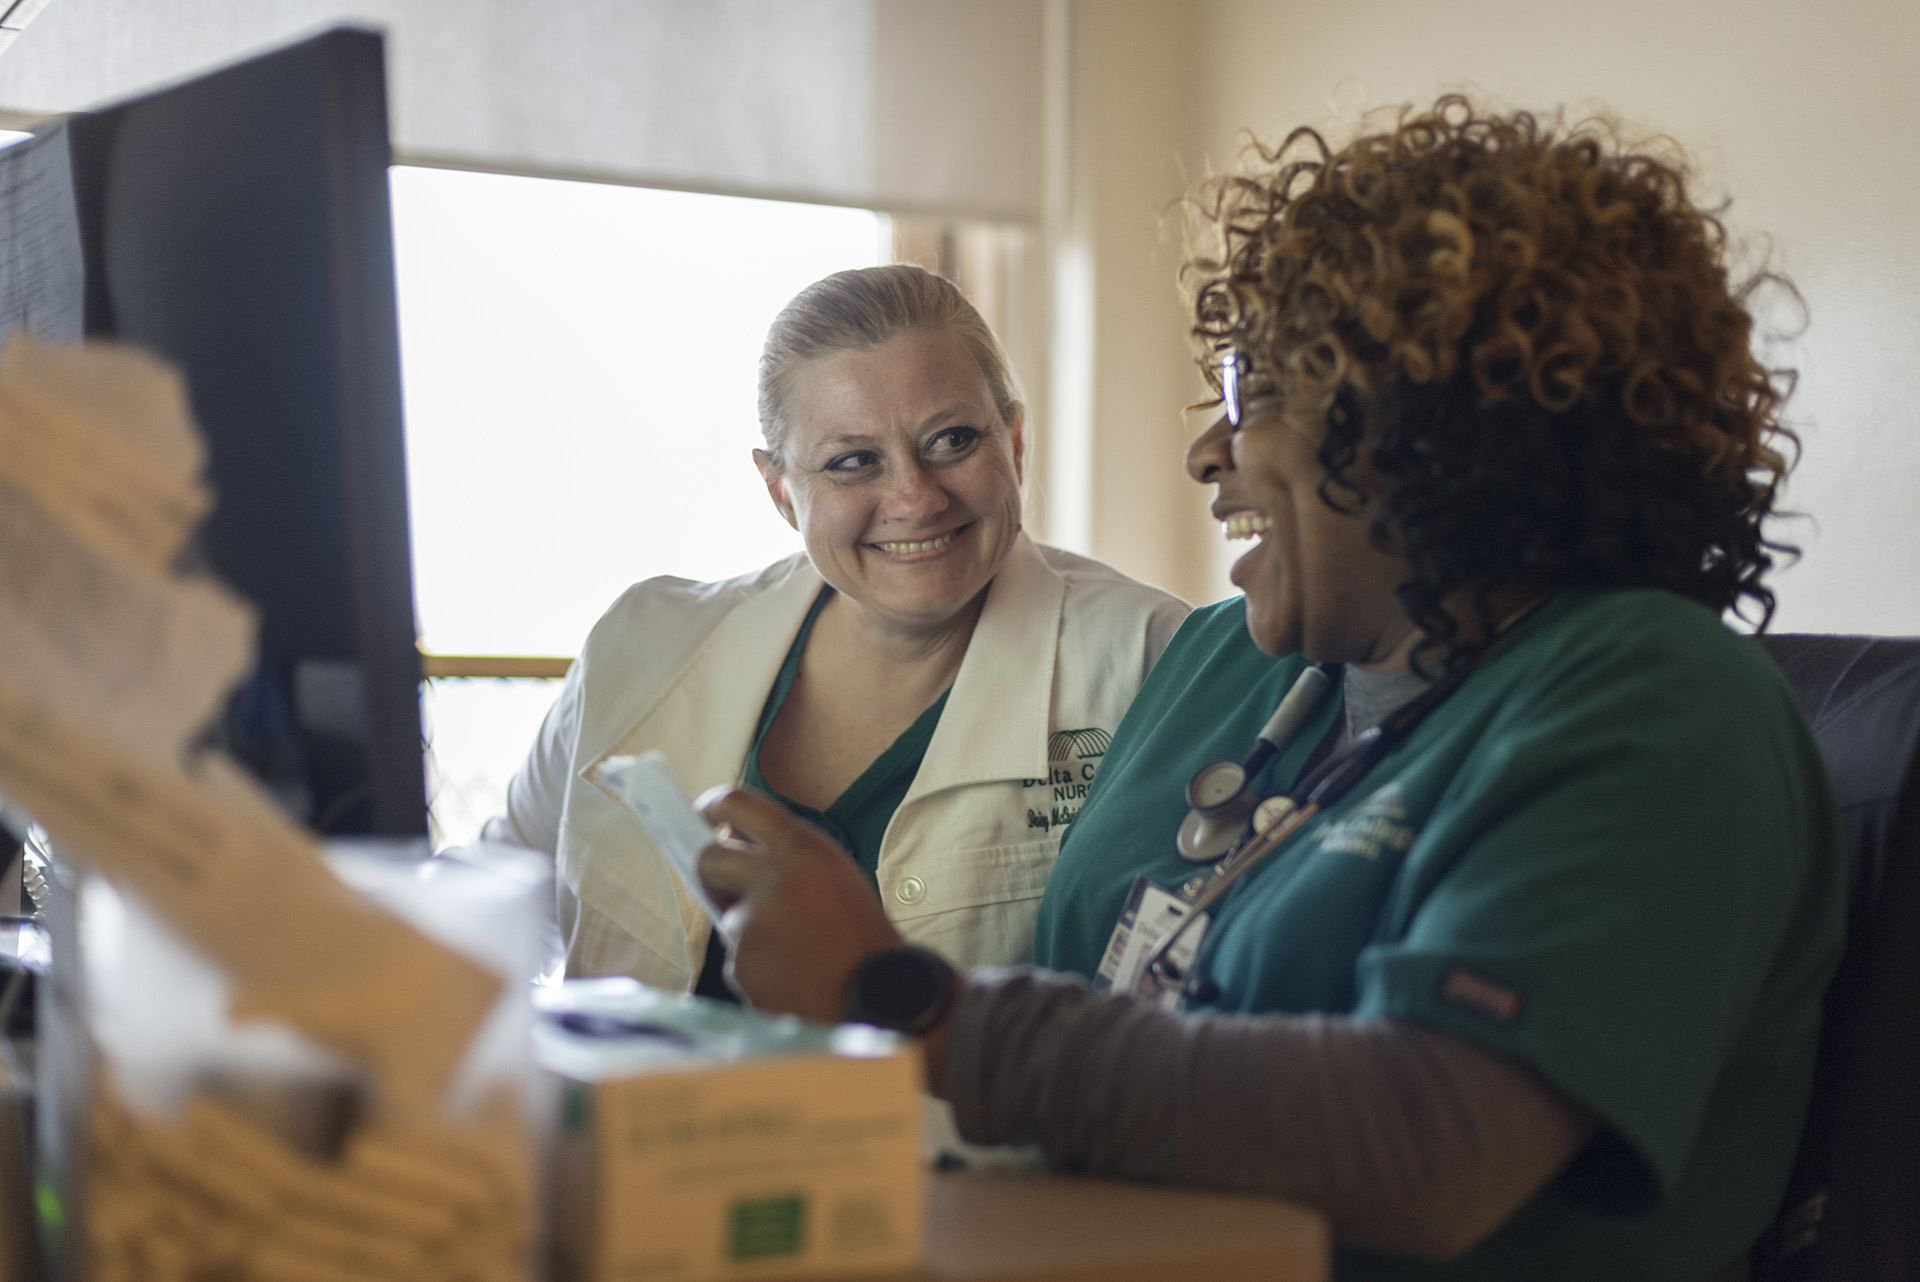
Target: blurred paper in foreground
109	669
272	1068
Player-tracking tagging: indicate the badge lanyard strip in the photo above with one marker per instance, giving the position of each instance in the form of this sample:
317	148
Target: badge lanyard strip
1315	793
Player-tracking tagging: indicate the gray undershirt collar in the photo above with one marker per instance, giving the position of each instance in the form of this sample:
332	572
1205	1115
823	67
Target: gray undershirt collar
1372	697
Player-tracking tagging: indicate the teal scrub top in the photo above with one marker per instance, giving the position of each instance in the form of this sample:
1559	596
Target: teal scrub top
858	817
1611	855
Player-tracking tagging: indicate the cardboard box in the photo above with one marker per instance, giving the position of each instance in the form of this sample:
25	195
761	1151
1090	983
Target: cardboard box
699	1141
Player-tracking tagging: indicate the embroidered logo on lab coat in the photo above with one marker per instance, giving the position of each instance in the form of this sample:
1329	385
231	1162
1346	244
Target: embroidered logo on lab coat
1378	826
1073	758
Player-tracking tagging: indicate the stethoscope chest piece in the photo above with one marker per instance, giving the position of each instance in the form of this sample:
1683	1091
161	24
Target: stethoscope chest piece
1220	806
1272	812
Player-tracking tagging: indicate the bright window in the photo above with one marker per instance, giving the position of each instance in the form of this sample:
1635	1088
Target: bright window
579	364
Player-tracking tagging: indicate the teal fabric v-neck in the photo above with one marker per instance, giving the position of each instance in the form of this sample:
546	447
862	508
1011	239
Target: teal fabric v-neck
858	817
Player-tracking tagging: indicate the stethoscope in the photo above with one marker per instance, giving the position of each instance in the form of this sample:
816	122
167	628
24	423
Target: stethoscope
1220	800
1232	829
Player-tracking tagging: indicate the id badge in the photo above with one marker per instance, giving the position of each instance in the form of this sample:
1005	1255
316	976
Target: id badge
1150	916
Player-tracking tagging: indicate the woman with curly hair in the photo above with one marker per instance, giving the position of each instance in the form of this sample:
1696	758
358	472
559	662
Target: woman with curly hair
1515	967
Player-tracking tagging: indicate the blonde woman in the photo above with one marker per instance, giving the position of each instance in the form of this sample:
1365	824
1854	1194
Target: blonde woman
925	683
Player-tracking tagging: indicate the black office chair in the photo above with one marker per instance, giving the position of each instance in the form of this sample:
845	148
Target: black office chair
1852	1211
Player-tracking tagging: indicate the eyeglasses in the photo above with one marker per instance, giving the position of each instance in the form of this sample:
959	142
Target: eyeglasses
1230	363
1242	379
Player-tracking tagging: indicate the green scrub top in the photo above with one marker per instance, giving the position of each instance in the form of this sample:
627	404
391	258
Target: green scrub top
1610	855
858	817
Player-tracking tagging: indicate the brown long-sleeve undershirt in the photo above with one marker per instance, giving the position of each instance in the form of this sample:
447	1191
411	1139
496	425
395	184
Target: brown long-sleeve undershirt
1411	1141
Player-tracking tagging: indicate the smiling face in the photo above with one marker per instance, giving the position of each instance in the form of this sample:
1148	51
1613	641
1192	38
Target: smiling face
901	476
1315	583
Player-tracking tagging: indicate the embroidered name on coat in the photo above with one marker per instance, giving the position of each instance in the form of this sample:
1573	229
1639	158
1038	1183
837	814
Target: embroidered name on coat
1073	758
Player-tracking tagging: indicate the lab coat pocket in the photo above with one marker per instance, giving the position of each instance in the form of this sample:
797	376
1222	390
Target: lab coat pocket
974	907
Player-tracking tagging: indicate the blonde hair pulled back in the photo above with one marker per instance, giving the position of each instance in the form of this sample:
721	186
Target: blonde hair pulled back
861	309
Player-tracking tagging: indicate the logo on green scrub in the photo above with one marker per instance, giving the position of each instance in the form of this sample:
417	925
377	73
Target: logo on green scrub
1379	826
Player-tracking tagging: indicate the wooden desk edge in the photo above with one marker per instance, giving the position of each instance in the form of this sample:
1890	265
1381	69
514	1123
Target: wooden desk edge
1013	1226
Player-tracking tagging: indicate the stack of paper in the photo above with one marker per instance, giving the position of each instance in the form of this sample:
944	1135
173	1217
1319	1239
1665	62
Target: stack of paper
111	663
215	1196
99	490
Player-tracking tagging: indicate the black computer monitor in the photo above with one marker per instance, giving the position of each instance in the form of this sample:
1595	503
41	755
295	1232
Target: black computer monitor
238	225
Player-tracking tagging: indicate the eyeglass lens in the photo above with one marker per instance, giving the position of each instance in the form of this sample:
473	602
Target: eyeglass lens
1230	387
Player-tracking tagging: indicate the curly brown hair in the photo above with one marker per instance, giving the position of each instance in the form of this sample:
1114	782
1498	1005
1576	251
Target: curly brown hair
1533	333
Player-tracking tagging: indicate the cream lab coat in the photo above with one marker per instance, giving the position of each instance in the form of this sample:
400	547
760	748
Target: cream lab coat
1061	647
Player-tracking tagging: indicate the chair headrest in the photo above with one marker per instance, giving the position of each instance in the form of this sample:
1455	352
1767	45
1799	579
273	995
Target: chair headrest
1861	696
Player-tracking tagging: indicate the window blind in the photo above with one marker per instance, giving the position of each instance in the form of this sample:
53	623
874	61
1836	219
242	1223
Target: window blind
909	105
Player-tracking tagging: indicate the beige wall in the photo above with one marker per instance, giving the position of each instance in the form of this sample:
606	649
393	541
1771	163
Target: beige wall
1114	438
1807	115
1134	59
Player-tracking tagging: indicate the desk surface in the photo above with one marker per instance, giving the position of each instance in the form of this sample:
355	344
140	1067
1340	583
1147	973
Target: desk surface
1009	1226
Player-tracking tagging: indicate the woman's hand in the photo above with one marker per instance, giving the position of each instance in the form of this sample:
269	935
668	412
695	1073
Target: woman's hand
799	915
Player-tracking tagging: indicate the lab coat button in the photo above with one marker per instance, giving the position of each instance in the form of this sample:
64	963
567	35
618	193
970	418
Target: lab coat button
910	891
